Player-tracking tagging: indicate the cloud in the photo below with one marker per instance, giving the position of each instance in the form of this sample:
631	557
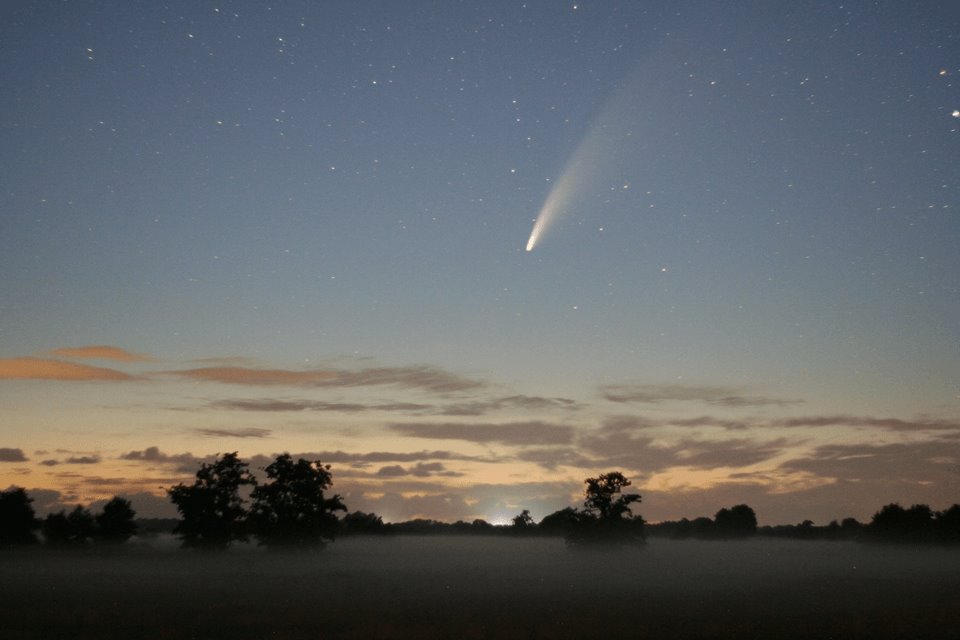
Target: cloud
250	432
256	377
918	462
50	463
553	457
713	454
621	448
101	352
893	424
530	403
360	459
392	471
83	460
100	481
185	462
12	455
230	361
422	377
720	396
636	423
42	369
189	463
511	433
477	408
711	421
269	405
419	470
617	424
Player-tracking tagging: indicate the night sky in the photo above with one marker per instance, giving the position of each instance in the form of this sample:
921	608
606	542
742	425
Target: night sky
302	227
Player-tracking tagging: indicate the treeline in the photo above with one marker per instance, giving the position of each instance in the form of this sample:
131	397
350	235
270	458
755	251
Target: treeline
19	524
226	503
892	523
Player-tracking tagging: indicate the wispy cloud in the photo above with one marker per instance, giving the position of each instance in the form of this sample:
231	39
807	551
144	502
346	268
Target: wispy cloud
419	470
511	433
529	403
43	369
719	396
101	352
712	421
8	454
553	457
254	377
422	377
623	448
249	432
182	461
893	424
638	423
384	456
713	454
906	461
93	459
271	405
227	361
475	408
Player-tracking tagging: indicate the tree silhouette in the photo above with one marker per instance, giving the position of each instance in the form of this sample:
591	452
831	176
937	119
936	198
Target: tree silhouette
850	528
360	522
291	509
948	524
600	500
211	509
737	521
523	521
607	515
115	523
17	519
76	527
560	521
893	522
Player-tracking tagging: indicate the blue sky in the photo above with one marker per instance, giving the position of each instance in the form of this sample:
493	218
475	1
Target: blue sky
762	228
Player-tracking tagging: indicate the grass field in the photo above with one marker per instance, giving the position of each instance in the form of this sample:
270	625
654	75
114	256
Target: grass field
476	587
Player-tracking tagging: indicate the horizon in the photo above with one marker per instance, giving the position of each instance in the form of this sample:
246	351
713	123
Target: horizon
309	229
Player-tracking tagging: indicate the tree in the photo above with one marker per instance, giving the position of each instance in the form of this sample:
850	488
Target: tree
893	522
76	527
360	522
523	521
479	525
738	521
17	519
211	509
600	501
560	521
115	523
292	509
607	515
948	524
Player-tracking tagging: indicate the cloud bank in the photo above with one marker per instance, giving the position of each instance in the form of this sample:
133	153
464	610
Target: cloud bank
42	369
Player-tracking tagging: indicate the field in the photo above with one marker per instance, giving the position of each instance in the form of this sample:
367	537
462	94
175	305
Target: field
476	587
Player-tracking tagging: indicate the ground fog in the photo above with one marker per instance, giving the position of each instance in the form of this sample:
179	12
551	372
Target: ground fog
477	587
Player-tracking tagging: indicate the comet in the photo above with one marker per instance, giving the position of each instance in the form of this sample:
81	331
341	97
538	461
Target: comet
558	199
601	149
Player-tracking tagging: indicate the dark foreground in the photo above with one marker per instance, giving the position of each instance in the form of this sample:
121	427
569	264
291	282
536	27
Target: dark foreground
474	587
